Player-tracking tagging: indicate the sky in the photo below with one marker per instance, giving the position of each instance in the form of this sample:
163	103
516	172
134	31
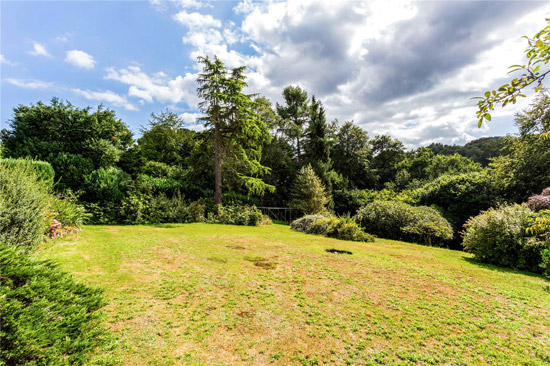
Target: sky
403	68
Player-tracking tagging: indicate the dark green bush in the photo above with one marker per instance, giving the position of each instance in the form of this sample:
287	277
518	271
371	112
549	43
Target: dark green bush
47	317
237	215
23	206
344	228
401	221
500	236
42	169
386	218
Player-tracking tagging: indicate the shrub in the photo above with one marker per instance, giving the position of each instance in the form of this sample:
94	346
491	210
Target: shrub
344	228
47	317
459	196
499	236
196	212
42	169
168	210
428	224
308	193
386	219
67	210
23	206
304	224
400	221
237	215
540	201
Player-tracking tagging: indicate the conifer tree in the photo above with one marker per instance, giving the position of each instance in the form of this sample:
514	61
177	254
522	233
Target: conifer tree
308	193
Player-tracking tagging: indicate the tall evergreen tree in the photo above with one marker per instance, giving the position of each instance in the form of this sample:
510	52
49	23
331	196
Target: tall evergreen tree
295	115
238	132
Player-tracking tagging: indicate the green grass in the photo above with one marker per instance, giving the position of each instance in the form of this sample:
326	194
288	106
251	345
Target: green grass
200	294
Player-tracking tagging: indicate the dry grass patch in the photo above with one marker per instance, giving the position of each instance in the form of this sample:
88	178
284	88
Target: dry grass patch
202	294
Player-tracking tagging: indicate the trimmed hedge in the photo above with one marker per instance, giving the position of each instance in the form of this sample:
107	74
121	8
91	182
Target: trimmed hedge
42	169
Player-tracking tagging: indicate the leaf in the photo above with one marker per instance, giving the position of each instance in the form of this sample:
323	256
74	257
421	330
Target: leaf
487	116
540	43
487	94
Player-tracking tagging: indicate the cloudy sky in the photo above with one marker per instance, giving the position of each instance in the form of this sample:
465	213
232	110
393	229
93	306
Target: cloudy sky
404	68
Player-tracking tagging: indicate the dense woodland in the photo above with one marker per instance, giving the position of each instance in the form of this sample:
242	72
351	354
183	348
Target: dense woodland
260	150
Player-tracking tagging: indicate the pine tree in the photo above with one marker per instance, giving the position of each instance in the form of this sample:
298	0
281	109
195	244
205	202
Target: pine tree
308	193
238	131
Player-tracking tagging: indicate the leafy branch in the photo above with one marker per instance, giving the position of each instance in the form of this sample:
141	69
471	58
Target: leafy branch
537	54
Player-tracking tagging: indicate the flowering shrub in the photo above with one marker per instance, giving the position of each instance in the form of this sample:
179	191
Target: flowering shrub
54	228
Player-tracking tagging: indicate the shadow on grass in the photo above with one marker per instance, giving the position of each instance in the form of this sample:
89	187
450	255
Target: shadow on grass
496	268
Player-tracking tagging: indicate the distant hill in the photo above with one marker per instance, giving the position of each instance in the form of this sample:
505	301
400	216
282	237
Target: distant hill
480	150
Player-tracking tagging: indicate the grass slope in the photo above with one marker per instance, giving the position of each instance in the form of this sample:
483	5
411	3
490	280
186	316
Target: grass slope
202	294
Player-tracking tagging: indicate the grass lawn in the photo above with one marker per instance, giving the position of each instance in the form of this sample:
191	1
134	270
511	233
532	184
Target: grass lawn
200	294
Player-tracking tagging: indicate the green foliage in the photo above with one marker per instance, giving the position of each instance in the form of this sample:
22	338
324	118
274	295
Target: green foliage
351	156
499	236
386	154
294	116
459	196
42	169
23	206
47	317
166	140
67	210
480	150
428	224
74	141
401	221
238	132
344	228
237	215
538	55
422	165
308	193
106	185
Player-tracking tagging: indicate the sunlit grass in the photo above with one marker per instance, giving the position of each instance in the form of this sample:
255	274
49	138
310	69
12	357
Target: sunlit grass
202	294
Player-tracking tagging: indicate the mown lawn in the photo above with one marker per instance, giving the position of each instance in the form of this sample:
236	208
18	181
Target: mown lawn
200	294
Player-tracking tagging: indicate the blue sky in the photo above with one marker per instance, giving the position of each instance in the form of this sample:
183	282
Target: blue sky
403	68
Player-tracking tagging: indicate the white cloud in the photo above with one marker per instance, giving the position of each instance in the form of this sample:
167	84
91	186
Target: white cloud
157	87
80	59
196	20
191	122
5	61
31	84
106	96
39	50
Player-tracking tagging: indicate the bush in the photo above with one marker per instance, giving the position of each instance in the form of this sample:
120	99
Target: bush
67	210
401	221
540	201
428	224
499	236
344	228
47	317
42	169
23	206
237	215
386	219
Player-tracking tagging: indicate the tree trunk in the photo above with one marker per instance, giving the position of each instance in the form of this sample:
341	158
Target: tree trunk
218	164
